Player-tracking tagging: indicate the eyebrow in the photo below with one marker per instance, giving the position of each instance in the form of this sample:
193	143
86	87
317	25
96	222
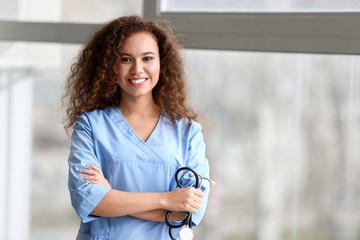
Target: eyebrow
143	54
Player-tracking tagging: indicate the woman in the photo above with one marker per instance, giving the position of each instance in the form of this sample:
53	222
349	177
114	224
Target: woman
132	130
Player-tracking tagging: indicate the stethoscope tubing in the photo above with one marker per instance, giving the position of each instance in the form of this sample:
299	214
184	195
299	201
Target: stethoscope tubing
188	218
189	169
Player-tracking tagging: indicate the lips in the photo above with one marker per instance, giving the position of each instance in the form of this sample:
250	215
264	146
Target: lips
137	81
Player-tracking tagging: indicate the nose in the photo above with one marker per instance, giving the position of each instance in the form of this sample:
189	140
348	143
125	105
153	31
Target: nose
137	67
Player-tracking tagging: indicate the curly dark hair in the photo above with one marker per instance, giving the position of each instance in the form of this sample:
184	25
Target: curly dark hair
92	81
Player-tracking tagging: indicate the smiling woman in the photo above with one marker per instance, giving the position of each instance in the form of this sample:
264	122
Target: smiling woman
129	123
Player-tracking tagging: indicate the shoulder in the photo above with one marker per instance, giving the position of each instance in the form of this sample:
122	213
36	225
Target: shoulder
95	116
190	125
99	112
183	125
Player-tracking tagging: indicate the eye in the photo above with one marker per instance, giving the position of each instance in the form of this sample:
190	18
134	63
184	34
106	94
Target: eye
125	60
146	59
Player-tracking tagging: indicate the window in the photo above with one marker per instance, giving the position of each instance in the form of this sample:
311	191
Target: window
281	140
86	11
277	82
259	6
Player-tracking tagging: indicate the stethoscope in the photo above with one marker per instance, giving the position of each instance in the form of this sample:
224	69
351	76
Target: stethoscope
186	232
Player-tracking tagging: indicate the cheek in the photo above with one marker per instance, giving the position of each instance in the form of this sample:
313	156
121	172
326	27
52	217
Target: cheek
155	70
123	70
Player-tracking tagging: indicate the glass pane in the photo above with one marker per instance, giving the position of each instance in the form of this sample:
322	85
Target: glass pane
282	135
259	5
52	216
68	10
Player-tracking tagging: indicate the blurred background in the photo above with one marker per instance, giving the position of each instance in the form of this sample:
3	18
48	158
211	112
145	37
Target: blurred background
282	124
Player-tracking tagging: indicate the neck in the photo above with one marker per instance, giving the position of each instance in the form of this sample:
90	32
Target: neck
143	105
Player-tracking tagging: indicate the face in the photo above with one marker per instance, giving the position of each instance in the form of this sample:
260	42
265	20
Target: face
139	66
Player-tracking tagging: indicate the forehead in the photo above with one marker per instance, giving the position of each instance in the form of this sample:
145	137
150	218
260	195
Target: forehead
141	41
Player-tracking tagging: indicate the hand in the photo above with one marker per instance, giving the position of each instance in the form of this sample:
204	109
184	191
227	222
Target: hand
94	176
183	199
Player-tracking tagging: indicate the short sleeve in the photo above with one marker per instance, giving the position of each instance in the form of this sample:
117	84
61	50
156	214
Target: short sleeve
85	196
197	161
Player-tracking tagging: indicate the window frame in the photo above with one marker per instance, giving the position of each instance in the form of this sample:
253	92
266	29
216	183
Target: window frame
296	32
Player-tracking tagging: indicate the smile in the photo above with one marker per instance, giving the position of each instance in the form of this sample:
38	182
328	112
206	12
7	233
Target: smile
137	81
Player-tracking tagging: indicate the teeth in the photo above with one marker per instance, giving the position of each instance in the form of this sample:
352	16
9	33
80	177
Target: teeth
137	81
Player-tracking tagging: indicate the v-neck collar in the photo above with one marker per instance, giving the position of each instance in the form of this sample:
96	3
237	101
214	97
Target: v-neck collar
133	131
119	120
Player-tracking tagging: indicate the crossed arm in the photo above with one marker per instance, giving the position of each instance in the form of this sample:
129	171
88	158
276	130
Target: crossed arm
147	206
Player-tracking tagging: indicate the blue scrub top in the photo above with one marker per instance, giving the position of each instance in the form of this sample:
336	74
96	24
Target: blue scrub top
104	138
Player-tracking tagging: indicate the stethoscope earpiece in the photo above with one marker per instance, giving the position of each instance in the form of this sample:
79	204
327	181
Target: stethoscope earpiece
201	178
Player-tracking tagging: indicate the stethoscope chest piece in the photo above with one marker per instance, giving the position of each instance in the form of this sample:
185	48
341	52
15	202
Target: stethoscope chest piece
186	233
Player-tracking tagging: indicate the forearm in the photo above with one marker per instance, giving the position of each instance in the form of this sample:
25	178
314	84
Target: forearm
139	205
158	215
118	203
149	206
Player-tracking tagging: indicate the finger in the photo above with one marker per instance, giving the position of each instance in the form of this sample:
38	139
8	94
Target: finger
88	172
93	181
198	192
195	191
192	204
198	200
196	205
96	168
97	178
93	177
192	210
89	178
